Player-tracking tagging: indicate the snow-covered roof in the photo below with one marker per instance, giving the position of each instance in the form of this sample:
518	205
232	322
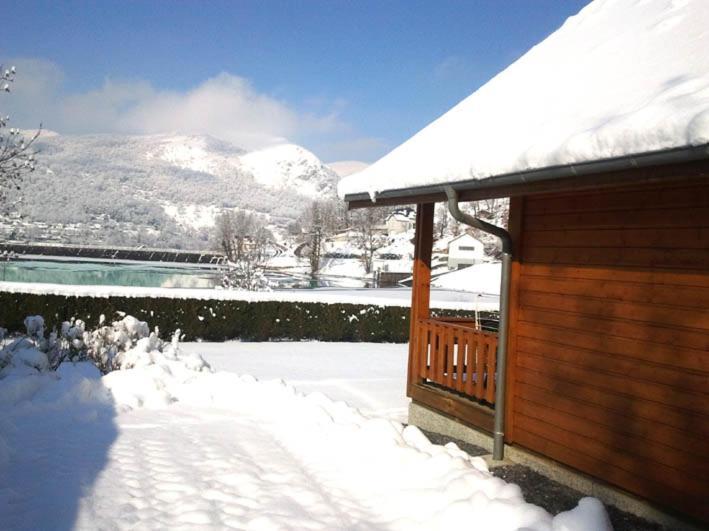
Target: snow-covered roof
404	216
620	78
464	236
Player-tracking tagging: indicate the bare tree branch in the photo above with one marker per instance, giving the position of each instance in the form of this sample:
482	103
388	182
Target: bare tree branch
17	156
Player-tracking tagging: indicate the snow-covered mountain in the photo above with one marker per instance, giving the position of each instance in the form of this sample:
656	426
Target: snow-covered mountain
290	166
171	186
197	153
283	166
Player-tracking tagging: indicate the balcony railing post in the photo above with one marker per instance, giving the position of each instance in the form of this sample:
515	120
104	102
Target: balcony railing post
421	285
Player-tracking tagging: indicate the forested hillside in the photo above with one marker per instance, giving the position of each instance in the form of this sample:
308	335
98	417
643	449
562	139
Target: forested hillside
162	190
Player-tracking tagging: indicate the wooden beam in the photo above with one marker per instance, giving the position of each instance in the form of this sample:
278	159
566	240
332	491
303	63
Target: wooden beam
453	406
421	282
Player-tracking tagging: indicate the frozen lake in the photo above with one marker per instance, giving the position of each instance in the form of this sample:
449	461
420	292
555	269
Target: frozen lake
106	273
98	272
97	277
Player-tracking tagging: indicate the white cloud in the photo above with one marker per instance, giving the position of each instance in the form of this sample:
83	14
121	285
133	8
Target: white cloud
225	106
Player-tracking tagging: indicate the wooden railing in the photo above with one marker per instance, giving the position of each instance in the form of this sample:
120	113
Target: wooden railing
452	353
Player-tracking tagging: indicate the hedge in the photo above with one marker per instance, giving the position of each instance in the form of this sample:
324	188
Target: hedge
218	320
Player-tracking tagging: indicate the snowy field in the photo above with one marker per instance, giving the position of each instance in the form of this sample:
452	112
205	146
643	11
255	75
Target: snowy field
440	298
172	443
368	376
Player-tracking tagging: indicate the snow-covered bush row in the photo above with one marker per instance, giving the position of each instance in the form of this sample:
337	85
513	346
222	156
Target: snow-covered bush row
217	320
123	344
385	297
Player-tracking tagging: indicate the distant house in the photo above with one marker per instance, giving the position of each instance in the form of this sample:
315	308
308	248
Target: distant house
343	237
600	138
401	220
341	245
465	250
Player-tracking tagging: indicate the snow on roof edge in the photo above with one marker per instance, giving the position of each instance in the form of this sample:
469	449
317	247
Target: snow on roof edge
604	85
629	161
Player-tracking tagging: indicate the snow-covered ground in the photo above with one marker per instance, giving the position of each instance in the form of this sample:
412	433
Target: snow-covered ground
478	278
440	298
368	376
171	444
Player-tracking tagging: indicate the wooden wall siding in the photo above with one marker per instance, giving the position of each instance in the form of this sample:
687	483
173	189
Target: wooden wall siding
610	337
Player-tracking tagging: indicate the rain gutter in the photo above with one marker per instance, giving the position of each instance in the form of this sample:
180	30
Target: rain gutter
501	377
550	173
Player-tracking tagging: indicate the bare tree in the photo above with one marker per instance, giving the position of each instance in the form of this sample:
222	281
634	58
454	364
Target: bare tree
319	221
244	239
494	210
261	239
441	220
225	236
455	229
16	153
335	216
244	226
316	231
369	238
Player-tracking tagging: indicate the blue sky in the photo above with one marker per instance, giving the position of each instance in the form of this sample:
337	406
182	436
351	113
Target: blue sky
348	80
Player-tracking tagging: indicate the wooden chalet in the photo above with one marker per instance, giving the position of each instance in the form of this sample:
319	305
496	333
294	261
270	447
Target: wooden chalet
607	297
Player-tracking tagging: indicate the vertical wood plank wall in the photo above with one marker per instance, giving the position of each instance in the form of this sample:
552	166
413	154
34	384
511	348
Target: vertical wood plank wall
610	337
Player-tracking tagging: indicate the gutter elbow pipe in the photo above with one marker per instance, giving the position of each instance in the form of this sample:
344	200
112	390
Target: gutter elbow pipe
498	448
484	226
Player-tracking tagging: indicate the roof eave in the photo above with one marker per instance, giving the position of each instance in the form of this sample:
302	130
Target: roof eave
553	177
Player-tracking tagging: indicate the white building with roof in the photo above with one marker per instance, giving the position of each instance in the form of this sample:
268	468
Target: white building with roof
401	220
465	250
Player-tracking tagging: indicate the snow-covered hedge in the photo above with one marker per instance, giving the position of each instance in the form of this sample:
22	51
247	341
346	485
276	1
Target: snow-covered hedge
217	320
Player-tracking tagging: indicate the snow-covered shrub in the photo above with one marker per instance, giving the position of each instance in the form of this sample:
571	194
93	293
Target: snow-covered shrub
246	275
123	344
127	343
23	352
28	351
35	326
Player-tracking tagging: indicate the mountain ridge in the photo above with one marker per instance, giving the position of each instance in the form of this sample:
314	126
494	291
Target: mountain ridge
140	184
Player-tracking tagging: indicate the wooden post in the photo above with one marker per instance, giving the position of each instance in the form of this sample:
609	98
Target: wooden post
421	283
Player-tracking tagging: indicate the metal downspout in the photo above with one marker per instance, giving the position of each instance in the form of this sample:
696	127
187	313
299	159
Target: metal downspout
498	447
